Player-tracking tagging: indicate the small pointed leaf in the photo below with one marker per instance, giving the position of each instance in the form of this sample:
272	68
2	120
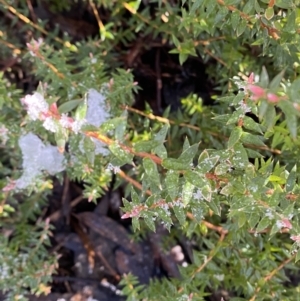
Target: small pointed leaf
123	155
235	136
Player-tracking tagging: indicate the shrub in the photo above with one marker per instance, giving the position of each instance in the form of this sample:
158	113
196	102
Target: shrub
225	174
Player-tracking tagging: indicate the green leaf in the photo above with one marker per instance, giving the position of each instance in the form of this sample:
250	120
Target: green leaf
151	171
251	139
165	215
266	37
61	139
232	2
134	5
234	118
189	154
269	118
240	158
89	149
206	192
289	210
241	27
235	136
227	190
175	41
183	57
235	18
276	179
171	163
238	98
148	218
222	118
195	178
121	126
152	199
263	224
69	106
210	7
204	156
291	180
292	124
81	109
297	258
250	124
195	6
295	91
172	179
198	211
107	34
134	197
248	7
135	224
269	13
161	151
123	155
205	163
145	146
186	144
274	84
222	169
187	192
215	207
222	13
277	139
264	78
285	4
291	118
161	135
253	154
258	9
258	42
290	25
275	229
180	214
111	124
242	218
253	220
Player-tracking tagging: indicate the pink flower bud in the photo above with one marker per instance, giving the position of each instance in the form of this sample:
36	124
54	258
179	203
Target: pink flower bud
250	78
135	212
53	109
34	46
295	238
9	187
257	91
273	98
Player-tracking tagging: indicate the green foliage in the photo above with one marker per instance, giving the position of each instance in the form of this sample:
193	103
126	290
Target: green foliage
226	176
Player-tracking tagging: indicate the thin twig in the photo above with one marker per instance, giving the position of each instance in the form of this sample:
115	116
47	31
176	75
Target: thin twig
33	16
135	183
273	32
29	22
128	149
271	275
212	253
168	121
95	11
196	128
